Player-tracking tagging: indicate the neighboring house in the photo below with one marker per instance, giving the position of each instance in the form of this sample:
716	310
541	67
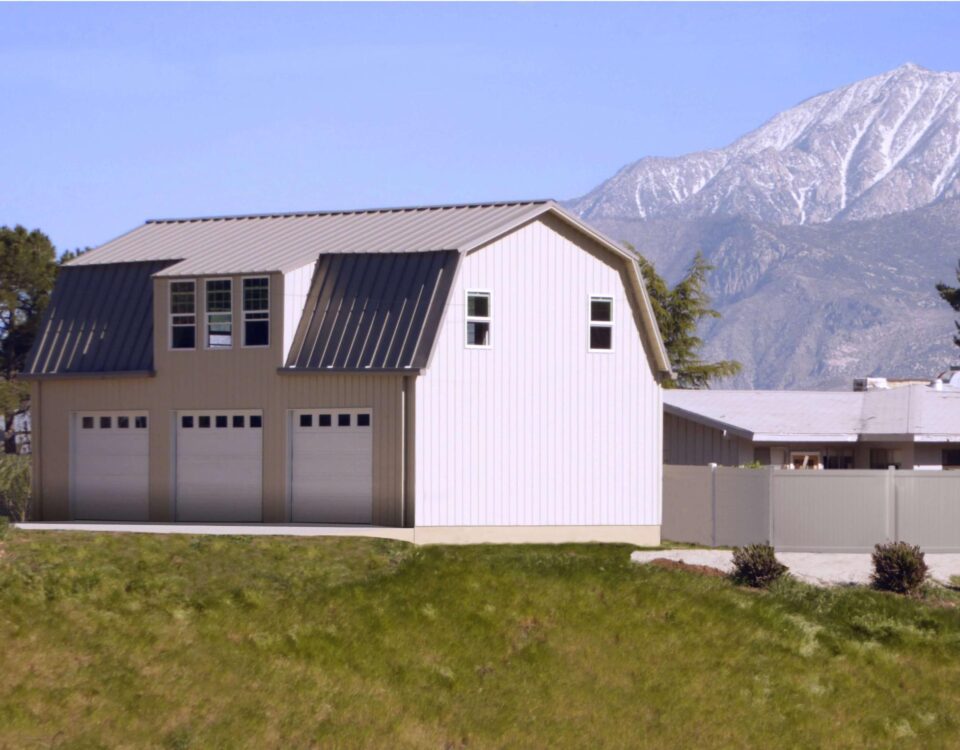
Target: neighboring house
478	372
909	426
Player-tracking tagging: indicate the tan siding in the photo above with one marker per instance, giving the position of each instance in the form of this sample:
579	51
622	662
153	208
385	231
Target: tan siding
234	379
690	443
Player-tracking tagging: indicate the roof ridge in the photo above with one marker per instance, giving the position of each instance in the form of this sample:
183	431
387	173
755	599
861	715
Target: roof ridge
344	212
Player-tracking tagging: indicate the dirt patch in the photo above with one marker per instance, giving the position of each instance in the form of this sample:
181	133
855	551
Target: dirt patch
703	570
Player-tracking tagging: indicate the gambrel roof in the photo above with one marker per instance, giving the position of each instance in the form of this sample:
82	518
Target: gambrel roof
272	243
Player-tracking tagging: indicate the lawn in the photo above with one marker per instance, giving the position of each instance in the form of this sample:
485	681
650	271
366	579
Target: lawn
207	642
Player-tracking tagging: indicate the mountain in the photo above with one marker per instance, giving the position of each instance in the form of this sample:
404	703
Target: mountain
828	226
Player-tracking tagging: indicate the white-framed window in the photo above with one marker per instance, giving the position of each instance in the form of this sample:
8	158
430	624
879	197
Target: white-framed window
601	323
219	307
478	319
183	314
256	311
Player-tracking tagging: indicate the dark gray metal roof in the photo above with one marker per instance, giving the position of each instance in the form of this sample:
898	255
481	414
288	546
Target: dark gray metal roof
100	319
376	311
284	242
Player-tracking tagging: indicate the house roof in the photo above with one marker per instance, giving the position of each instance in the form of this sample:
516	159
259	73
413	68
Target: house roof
264	243
284	242
100	319
918	413
376	311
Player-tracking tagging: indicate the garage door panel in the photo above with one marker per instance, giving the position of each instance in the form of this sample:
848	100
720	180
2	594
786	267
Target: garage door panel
332	468
219	469
110	467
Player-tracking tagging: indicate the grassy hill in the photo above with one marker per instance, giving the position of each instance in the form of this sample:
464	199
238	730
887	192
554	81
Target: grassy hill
205	642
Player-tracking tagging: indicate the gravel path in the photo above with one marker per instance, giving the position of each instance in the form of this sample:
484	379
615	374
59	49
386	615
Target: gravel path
818	568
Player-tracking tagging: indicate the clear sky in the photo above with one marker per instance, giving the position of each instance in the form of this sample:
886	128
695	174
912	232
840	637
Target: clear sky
112	114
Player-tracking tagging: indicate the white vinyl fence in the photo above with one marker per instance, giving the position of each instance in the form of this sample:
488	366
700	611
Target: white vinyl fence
811	511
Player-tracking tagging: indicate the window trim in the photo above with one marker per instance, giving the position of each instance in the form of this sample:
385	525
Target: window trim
207	314
468	318
171	314
605	297
244	312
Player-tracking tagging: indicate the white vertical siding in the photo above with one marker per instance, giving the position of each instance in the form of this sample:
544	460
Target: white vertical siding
296	287
537	430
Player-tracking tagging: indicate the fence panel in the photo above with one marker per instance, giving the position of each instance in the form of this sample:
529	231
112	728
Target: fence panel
831	511
928	509
687	504
742	506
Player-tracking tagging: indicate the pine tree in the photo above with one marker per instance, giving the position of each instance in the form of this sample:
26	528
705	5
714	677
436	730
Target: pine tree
951	295
679	311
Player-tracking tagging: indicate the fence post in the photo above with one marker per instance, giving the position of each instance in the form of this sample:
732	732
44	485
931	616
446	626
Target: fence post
891	495
770	485
713	504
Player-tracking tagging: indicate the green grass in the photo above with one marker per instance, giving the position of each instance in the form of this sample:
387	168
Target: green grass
206	642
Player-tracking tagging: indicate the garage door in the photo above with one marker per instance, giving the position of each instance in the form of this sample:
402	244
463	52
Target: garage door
110	466
332	466
219	464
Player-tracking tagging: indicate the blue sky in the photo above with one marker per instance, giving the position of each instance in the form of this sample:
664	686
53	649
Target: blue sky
112	114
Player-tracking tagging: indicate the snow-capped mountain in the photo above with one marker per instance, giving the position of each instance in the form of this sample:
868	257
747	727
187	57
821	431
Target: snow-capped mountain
879	146
828	227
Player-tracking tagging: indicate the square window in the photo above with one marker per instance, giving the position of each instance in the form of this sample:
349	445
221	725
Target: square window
478	305
601	337
601	310
363	420
184	337
478	334
204	422
105	423
238	420
186	422
343	420
256	420
222	420
324	420
123	422
87	423
306	420
256	333
140	423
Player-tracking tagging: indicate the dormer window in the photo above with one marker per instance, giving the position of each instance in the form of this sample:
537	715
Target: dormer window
219	299
478	319
256	311
183	315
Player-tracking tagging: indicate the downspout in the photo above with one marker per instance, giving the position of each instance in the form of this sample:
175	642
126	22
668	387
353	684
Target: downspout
35	453
403	451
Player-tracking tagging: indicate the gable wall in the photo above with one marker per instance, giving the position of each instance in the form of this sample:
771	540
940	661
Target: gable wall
537	430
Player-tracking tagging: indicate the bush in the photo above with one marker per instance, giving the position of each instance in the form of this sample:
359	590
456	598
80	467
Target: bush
898	567
756	565
15	486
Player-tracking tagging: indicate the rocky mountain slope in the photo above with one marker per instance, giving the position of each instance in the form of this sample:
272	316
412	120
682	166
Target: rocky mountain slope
828	227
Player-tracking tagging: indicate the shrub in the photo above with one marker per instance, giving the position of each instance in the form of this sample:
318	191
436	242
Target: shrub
899	567
15	486
756	565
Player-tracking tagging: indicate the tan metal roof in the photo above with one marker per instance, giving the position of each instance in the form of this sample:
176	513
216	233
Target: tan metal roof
283	242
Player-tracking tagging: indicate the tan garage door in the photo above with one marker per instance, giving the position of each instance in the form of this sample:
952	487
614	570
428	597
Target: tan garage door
331	466
219	466
110	466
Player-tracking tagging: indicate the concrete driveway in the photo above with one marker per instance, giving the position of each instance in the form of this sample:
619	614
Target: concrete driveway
818	568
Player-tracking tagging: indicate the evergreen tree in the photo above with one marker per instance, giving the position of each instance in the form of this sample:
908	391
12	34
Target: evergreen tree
951	295
679	311
28	268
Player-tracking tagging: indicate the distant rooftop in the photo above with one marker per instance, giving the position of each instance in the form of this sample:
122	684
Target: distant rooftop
921	413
